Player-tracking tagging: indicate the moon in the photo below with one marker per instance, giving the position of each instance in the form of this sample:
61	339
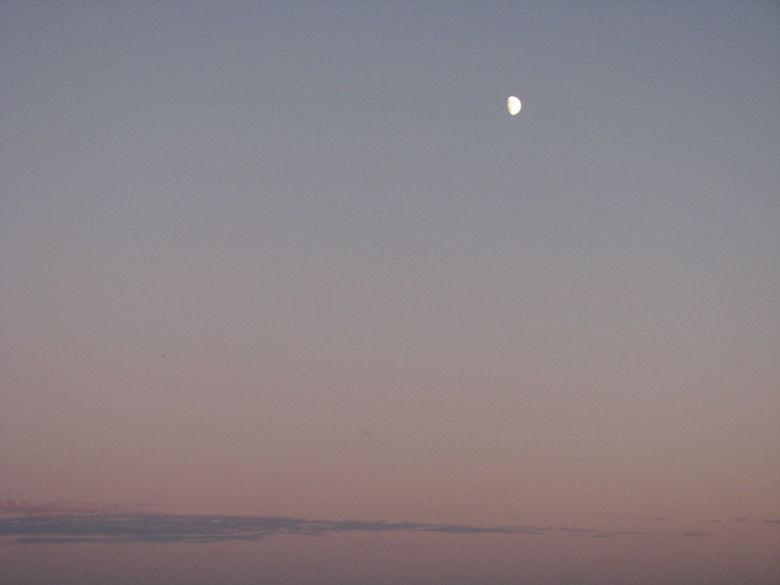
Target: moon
514	105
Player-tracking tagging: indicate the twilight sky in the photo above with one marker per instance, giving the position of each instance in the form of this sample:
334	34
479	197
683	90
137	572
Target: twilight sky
297	259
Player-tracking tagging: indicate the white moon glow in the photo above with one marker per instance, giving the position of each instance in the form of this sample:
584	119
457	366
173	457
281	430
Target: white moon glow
514	105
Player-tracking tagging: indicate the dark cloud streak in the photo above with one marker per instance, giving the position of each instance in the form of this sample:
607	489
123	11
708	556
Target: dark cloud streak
116	528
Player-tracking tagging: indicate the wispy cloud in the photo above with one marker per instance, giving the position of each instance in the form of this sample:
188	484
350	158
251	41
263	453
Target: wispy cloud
86	508
192	528
117	523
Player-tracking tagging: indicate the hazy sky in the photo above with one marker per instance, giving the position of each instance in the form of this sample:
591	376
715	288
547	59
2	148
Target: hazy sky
297	259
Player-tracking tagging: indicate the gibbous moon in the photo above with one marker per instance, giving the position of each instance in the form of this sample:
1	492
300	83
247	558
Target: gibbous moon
514	105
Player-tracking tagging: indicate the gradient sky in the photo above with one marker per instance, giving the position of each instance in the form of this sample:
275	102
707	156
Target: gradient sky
297	259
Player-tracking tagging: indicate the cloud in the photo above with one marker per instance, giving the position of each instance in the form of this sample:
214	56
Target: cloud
196	528
110	508
112	523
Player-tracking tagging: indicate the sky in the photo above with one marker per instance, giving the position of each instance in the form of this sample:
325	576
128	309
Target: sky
288	296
